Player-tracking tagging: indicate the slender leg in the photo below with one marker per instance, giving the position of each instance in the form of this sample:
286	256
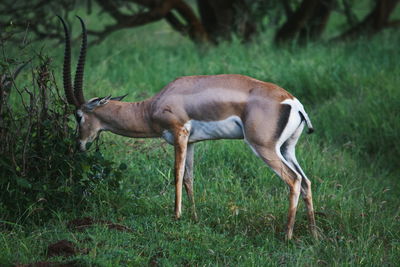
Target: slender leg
293	201
307	196
181	136
288	151
270	145
188	179
288	175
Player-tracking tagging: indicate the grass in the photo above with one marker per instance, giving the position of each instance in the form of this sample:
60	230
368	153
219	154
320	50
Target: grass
351	94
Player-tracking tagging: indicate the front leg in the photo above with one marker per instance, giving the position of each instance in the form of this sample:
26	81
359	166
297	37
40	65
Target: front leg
188	179
181	136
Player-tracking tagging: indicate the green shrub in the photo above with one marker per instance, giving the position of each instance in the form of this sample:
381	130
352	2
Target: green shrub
39	168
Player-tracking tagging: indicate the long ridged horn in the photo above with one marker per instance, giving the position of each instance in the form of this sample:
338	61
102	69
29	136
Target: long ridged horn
81	65
67	68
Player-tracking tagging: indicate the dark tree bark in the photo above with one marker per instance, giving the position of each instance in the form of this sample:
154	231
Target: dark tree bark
157	10
193	27
218	20
316	24
38	16
287	8
221	18
297	21
374	22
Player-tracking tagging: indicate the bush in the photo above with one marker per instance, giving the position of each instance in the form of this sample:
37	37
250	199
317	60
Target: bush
40	171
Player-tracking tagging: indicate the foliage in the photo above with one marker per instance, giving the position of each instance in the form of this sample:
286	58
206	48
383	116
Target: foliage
204	21
39	168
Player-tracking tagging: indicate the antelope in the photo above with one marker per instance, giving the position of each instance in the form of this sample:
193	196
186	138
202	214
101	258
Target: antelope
197	108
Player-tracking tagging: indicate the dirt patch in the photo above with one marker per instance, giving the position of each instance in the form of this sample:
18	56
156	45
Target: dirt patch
118	227
67	248
83	223
62	248
154	260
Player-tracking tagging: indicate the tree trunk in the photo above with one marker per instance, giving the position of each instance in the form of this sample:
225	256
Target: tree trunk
374	22
297	21
193	27
157	10
316	24
221	18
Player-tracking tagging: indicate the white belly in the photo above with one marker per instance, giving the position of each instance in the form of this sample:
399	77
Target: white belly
230	128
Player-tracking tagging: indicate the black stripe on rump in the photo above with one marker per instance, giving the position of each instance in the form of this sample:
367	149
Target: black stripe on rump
283	119
302	117
296	167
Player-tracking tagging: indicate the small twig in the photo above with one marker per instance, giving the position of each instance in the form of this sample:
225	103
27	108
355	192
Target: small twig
25	35
27	138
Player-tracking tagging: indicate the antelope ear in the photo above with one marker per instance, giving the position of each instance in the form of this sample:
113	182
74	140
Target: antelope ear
97	101
104	100
118	98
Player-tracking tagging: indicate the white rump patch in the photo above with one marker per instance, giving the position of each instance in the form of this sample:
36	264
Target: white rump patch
292	125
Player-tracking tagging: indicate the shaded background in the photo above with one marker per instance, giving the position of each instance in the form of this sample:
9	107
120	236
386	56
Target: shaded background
206	21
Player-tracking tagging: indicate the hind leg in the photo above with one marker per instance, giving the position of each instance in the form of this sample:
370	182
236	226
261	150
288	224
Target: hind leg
288	152
266	144
307	197
293	179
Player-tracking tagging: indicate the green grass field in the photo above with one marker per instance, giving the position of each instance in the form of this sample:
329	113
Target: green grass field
351	92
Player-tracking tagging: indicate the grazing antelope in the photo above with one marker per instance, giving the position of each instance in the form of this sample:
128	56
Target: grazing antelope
197	108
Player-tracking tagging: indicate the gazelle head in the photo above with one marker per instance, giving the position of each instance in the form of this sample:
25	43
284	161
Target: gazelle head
87	114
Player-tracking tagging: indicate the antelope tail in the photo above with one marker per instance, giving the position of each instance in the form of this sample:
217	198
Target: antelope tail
305	118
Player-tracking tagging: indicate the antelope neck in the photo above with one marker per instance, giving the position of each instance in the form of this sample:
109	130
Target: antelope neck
128	119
